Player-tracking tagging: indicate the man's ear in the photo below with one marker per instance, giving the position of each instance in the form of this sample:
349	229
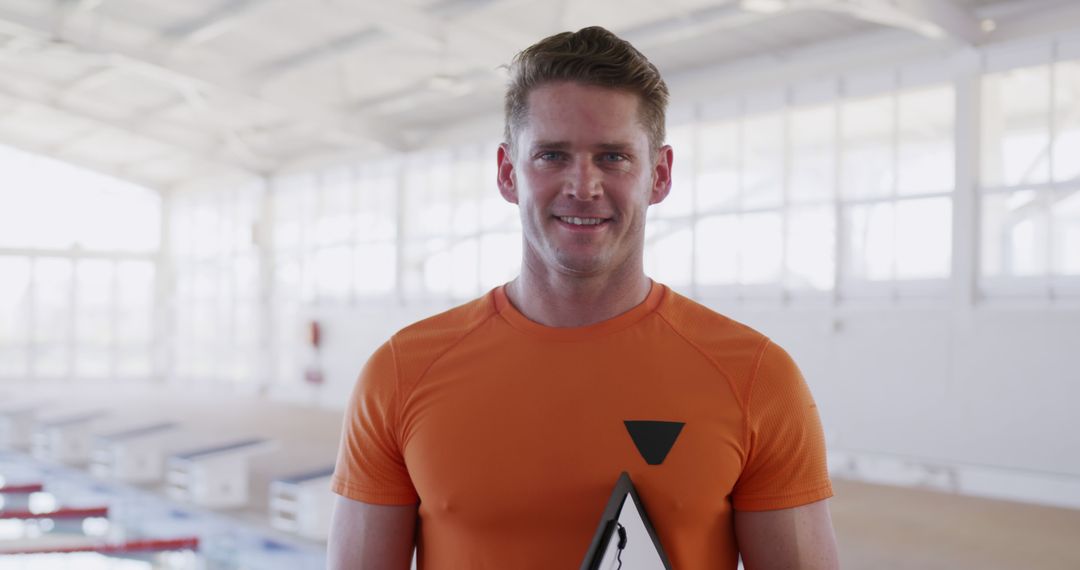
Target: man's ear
506	178
661	175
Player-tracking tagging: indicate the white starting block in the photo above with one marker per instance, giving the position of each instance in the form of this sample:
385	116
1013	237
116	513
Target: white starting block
17	427
66	440
15	496
132	456
214	477
302	504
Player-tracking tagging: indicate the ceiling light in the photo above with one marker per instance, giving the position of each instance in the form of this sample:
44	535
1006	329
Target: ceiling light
763	6
449	85
988	25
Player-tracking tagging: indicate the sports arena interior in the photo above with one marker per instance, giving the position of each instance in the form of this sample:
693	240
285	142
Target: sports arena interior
213	211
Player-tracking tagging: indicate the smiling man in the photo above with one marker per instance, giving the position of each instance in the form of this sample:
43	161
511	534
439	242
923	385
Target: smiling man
489	436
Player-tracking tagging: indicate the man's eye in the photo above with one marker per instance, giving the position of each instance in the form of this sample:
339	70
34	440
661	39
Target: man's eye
551	155
613	157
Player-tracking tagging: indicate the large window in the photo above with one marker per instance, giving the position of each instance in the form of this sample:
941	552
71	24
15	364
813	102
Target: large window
669	246
1030	175
766	185
338	238
740	183
76	296
460	237
217	313
897	177
334	236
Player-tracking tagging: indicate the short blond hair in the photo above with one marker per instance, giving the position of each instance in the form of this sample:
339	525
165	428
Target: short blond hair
589	56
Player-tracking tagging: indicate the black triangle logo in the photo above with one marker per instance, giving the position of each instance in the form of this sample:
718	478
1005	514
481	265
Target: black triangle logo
654	439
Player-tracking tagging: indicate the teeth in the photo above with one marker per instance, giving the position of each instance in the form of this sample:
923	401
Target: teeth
581	221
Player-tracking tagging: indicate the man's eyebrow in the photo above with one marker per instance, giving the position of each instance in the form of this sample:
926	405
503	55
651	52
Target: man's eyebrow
551	145
563	145
615	146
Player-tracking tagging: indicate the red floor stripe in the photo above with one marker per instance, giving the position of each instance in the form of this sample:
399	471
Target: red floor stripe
150	545
57	514
21	489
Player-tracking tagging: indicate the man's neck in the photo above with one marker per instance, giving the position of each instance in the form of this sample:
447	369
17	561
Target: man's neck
558	300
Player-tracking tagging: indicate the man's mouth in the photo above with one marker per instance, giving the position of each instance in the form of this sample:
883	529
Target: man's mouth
578	221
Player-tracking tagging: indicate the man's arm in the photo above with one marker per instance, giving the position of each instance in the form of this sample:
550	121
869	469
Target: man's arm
379	537
797	539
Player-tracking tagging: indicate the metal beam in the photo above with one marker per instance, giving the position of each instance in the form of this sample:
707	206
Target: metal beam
327	49
113	170
209	155
96	77
694	24
157	60
398	20
954	21
211	24
934	19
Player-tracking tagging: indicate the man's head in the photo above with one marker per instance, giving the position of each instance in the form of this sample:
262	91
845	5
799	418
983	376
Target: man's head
590	56
584	157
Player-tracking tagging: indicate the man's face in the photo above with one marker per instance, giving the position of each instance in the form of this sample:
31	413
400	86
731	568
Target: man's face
583	174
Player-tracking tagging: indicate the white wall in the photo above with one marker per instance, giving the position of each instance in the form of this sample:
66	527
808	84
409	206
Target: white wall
978	401
350	333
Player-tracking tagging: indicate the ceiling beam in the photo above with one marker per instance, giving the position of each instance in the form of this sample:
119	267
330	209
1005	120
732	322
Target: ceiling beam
398	20
93	78
953	20
1020	21
933	19
211	24
137	129
157	60
697	23
323	50
116	171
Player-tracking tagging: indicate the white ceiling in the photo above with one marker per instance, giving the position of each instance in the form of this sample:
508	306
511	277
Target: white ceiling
164	93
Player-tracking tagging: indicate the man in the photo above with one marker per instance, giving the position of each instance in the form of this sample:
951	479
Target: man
491	435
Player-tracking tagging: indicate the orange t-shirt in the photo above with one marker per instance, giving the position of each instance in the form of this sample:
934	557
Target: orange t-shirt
511	434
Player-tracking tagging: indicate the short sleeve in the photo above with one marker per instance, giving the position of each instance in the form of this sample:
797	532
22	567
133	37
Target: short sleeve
786	465
370	464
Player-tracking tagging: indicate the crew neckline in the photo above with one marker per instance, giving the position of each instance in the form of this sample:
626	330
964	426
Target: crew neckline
621	321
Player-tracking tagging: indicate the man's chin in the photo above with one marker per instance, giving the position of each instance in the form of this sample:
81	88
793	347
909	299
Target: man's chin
582	265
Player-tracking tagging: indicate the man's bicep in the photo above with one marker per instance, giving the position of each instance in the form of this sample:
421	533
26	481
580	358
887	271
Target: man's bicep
363	535
799	538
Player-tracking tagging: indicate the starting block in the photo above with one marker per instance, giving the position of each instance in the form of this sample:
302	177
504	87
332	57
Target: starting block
17	496
17	427
215	477
65	520
127	549
65	440
132	456
302	504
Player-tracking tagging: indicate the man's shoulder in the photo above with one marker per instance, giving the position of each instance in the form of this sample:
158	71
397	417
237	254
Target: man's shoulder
420	343
702	324
733	348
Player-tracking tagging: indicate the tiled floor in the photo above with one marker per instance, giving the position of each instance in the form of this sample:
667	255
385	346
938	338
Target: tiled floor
891	528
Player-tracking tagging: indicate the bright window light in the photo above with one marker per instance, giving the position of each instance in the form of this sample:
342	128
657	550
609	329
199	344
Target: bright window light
100	213
1016	133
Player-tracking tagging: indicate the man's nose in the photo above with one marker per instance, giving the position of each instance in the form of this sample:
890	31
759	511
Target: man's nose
584	181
